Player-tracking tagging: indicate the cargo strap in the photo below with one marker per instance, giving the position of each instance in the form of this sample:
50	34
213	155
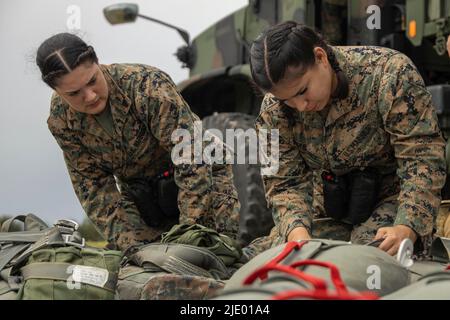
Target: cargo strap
30	221
319	291
98	277
181	259
18	246
197	235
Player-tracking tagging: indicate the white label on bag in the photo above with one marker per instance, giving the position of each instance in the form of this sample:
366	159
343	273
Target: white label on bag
90	275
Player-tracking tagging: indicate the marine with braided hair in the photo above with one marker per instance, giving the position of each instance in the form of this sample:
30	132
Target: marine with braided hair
114	124
362	117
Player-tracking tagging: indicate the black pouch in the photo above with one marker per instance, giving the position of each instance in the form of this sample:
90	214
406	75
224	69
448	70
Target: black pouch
364	186
335	195
155	199
167	194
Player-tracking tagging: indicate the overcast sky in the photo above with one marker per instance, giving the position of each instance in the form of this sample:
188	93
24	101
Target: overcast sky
33	176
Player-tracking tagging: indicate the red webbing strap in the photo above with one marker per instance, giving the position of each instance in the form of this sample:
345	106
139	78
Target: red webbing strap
320	286
261	273
335	275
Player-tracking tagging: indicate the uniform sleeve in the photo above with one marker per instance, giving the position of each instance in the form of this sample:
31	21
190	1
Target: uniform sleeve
289	191
115	217
410	118
207	194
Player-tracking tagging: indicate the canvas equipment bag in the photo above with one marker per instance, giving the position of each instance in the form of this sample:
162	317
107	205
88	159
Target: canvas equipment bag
317	269
171	271
225	248
49	263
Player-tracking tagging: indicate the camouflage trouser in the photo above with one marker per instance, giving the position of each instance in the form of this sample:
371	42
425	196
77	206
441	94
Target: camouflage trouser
324	227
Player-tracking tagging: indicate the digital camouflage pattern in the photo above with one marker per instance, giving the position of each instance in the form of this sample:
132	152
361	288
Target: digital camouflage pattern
146	108
387	122
176	287
136	283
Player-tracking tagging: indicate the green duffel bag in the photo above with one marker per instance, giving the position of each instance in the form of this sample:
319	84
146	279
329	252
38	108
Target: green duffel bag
317	269
171	271
53	263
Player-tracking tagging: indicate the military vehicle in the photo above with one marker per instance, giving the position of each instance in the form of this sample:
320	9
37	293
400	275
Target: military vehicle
220	89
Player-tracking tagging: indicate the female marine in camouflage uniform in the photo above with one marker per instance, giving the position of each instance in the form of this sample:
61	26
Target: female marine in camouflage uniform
114	122
347	110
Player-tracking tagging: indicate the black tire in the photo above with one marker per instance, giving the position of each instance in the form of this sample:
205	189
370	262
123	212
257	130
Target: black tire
255	218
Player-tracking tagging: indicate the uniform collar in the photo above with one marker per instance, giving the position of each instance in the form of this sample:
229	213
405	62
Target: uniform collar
340	107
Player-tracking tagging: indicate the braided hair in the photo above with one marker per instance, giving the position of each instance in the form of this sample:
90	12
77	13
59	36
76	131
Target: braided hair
60	54
289	44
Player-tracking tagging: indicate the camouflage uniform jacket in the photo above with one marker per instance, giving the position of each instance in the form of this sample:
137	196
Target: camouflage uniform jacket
386	122
146	108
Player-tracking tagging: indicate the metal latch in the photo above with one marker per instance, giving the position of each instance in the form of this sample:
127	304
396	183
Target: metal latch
67	225
405	253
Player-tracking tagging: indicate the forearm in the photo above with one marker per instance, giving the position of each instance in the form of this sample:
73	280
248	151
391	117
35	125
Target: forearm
420	197
115	217
291	201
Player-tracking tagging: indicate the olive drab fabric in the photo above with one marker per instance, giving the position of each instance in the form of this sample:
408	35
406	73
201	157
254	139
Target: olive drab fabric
70	273
171	271
227	249
358	267
53	263
435	286
387	122
13	245
146	109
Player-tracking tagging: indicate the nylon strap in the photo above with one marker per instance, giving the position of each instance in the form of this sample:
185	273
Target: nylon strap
6	226
8	254
60	271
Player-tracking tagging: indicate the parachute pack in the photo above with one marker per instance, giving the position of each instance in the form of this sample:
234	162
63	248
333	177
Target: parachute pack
196	263
53	263
335	270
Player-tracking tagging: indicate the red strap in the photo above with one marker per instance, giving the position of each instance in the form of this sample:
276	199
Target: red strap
335	275
290	246
320	285
448	268
261	273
